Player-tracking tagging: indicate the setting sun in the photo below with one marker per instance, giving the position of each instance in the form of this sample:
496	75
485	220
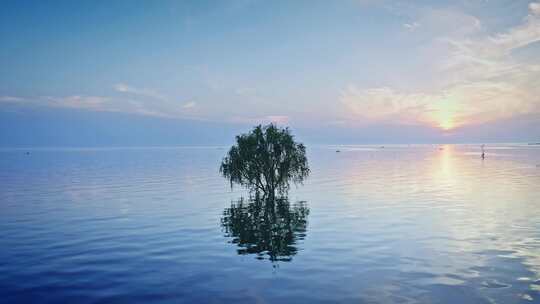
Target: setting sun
446	122
445	113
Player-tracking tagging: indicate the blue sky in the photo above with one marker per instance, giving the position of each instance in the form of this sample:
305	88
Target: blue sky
336	71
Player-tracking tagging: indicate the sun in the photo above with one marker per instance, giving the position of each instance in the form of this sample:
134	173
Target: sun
446	124
443	118
445	114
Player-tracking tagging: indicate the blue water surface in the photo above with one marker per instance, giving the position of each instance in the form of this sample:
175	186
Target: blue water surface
372	224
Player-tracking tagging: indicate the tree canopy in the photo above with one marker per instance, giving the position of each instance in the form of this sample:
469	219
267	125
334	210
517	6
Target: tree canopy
266	160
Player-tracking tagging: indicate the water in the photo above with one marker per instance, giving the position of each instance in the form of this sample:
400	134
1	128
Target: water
399	224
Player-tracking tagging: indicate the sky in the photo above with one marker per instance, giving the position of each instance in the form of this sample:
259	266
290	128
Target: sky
90	73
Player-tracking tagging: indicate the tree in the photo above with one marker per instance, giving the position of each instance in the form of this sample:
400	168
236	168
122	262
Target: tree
266	160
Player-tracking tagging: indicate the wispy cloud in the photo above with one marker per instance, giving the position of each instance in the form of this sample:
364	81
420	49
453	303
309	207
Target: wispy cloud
109	104
77	101
520	36
277	119
534	7
189	105
125	88
11	99
411	26
480	81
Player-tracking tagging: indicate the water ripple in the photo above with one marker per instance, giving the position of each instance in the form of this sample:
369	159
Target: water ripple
401	224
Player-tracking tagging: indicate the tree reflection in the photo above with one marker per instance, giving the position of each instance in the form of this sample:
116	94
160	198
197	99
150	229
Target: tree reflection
268	228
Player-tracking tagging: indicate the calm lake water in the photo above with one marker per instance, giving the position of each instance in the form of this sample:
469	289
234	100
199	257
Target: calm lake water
399	224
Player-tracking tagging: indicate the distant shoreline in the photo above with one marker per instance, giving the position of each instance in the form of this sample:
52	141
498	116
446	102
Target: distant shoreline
221	147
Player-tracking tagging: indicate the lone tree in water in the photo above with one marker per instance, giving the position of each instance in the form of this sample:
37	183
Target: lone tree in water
266	160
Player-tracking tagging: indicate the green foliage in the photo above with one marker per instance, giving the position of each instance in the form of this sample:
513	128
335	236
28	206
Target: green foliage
266	159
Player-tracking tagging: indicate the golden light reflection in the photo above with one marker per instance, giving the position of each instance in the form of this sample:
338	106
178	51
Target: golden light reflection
446	190
446	160
443	169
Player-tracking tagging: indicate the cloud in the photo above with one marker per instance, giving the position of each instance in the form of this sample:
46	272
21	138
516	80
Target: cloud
11	99
158	108
519	36
124	88
534	8
95	103
84	100
459	105
160	105
189	105
384	104
494	49
478	80
277	119
411	26
103	104
98	103
449	22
